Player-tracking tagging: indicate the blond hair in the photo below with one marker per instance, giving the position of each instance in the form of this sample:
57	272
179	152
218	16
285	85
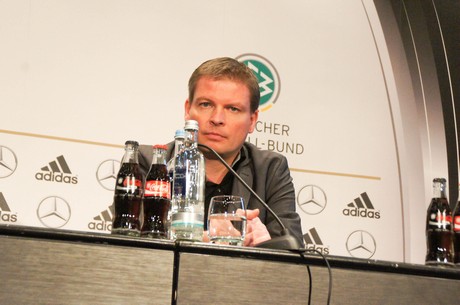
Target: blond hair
226	68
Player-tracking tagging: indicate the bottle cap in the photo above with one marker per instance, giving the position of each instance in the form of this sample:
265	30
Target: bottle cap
191	124
180	133
160	146
132	143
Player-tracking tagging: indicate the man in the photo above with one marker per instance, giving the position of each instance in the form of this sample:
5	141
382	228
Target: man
224	98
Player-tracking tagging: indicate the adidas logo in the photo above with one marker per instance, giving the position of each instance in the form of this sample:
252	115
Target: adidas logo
57	171
361	207
314	242
5	211
103	221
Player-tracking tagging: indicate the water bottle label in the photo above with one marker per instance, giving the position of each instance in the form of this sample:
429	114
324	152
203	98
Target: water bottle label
180	219
179	182
181	223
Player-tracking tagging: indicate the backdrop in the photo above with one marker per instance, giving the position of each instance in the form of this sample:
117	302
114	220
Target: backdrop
79	78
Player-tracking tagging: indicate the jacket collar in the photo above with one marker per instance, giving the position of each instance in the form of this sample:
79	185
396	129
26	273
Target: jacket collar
245	172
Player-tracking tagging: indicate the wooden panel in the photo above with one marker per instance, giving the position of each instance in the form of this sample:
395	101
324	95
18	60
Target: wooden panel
354	287
209	279
38	271
97	269
214	279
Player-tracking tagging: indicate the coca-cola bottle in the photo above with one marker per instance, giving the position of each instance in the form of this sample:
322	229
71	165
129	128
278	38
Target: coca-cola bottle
129	189
439	235
187	217
157	196
456	229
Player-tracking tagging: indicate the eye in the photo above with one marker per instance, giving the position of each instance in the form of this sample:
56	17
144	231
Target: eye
234	109
205	104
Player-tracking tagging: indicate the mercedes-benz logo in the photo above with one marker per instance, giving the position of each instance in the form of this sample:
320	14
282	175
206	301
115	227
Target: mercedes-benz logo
106	174
311	199
361	244
8	162
53	212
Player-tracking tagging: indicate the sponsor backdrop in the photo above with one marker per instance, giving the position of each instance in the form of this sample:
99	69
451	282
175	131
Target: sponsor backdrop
78	78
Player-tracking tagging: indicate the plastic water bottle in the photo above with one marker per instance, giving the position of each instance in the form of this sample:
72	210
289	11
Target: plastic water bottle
178	146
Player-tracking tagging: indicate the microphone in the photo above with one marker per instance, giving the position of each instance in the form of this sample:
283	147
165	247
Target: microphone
286	241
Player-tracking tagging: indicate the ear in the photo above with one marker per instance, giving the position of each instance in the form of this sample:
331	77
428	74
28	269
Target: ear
254	118
187	106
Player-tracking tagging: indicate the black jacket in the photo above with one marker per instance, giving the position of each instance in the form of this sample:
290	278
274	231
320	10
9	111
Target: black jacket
267	173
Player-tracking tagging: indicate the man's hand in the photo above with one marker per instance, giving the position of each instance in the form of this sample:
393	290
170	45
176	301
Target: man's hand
256	231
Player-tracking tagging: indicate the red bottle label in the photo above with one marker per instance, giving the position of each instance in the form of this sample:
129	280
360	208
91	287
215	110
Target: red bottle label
457	223
129	184
440	220
157	188
132	182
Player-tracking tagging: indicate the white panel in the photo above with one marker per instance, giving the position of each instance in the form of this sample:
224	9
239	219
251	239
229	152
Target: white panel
78	78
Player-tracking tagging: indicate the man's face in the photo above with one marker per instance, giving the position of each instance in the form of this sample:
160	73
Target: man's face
222	109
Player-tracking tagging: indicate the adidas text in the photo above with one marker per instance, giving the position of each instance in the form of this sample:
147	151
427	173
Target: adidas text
365	213
321	249
59	177
100	226
8	217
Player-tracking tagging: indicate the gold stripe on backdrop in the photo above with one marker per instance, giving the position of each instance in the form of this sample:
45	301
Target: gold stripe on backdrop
335	174
34	135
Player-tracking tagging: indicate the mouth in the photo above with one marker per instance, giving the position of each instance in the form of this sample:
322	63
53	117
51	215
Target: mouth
214	136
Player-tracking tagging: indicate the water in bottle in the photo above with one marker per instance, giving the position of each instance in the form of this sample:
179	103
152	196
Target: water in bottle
187	216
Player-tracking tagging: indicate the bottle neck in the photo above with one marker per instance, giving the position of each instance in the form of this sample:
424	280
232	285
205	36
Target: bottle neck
439	189
191	138
178	145
159	156
130	155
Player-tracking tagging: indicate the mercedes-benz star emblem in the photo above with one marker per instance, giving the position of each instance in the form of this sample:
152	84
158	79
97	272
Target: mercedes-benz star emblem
8	162
53	212
311	199
361	244
106	174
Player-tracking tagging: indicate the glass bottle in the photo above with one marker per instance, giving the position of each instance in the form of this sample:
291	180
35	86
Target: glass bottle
439	234
157	196
456	229
129	189
187	216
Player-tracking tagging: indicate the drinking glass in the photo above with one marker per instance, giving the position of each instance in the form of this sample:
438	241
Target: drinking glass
227	220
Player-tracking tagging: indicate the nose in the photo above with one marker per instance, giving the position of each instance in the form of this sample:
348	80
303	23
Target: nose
218	116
